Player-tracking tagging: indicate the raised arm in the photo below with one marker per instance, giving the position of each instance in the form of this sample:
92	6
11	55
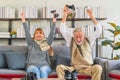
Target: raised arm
90	13
65	13
27	32
98	31
63	29
52	31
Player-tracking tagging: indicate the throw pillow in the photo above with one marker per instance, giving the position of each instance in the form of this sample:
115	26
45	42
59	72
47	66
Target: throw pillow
16	60
3	62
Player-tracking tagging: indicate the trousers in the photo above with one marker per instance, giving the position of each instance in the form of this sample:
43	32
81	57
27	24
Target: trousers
94	71
41	72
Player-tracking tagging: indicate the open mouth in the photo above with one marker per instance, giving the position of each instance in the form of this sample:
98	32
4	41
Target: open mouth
78	41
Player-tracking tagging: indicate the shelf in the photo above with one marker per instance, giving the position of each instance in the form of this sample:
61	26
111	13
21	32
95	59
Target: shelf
24	38
54	38
30	19
81	19
75	19
101	38
12	38
59	39
4	38
17	38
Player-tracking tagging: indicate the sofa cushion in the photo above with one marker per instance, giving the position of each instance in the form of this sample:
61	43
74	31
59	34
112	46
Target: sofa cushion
3	62
114	74
8	73
16	60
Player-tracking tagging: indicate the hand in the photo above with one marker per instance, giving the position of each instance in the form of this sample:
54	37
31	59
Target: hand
51	51
90	13
54	19
66	10
23	16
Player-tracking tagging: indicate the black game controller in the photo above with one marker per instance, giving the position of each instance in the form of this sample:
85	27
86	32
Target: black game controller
55	14
71	7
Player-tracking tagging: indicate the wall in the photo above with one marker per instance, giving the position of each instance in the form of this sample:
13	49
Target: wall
111	10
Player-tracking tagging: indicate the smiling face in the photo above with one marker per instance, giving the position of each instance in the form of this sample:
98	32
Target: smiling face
39	34
78	36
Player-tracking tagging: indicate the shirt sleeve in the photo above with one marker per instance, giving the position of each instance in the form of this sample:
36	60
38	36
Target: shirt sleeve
51	34
67	33
95	34
27	34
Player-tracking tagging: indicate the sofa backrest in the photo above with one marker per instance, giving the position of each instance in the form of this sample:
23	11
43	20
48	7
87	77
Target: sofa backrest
61	56
60	52
9	58
63	50
16	48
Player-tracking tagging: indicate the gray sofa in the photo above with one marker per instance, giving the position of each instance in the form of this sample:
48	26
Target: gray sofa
112	68
12	70
13	57
102	61
12	61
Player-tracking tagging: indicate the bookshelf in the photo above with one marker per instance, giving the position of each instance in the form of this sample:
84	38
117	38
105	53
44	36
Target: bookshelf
10	20
75	19
32	14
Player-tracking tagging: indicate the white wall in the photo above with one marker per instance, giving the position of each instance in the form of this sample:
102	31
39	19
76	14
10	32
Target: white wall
111	8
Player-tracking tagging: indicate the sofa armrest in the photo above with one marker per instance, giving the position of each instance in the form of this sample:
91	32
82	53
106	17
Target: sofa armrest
111	65
101	61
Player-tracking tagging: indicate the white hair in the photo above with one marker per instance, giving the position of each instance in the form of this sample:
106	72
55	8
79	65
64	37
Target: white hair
78	29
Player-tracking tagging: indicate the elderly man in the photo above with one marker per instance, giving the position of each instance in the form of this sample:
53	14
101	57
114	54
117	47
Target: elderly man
81	56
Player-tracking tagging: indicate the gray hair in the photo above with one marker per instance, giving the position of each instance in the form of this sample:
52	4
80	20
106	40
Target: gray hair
77	29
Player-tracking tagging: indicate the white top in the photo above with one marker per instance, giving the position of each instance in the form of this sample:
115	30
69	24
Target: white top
65	31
